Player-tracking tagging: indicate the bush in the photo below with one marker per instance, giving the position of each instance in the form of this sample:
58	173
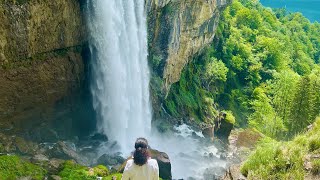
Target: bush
101	171
229	117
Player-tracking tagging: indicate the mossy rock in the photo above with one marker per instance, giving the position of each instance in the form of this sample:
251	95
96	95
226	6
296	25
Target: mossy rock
13	167
73	171
101	171
25	147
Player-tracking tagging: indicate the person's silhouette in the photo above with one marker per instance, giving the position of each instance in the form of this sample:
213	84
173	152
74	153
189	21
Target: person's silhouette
141	167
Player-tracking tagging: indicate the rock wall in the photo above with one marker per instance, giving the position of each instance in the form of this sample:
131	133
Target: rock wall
178	29
42	50
41	56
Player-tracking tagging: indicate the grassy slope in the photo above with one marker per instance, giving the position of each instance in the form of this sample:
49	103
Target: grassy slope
286	160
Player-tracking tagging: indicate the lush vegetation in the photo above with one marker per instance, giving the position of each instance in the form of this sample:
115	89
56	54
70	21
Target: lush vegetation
13	167
263	68
286	160
73	171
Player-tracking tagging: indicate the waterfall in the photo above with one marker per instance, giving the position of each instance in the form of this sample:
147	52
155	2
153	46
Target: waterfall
120	83
120	89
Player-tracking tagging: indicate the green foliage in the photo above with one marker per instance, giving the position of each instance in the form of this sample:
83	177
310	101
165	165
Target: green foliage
299	114
282	160
316	167
13	167
73	171
266	54
155	62
229	117
283	86
189	98
216	70
263	67
101	171
314	144
264	118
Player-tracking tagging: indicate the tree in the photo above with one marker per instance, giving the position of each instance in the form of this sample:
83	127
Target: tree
301	108
283	87
264	118
315	93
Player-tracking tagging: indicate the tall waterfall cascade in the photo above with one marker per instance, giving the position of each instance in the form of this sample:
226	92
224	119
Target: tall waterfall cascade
120	89
120	83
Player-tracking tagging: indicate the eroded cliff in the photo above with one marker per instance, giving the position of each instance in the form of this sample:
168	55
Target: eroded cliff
178	29
41	56
42	44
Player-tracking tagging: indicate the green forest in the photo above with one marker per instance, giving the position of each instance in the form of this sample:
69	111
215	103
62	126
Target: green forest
262	70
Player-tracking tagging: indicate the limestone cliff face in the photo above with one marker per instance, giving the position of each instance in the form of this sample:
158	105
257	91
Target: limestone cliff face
178	29
32	27
41	45
42	49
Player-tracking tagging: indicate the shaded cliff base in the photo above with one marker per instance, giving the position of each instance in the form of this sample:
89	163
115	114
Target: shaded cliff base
46	97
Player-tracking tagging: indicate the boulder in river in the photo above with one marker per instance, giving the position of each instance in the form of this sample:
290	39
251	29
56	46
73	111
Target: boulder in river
163	162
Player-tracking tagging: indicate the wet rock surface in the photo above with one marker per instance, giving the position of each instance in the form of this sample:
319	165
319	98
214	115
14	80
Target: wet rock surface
111	160
163	162
66	151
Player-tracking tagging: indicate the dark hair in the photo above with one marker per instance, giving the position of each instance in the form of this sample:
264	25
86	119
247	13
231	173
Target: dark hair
141	154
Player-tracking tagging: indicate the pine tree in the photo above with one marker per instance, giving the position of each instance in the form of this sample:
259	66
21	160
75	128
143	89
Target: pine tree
301	107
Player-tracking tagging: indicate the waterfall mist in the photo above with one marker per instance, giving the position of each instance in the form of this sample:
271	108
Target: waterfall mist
120	88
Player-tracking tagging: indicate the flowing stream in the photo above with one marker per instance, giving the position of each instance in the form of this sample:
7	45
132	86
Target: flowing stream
120	89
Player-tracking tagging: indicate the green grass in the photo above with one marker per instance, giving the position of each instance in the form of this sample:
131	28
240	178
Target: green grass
314	144
316	167
73	171
13	167
283	160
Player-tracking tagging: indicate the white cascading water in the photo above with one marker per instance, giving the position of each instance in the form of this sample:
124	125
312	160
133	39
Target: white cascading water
120	85
120	88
